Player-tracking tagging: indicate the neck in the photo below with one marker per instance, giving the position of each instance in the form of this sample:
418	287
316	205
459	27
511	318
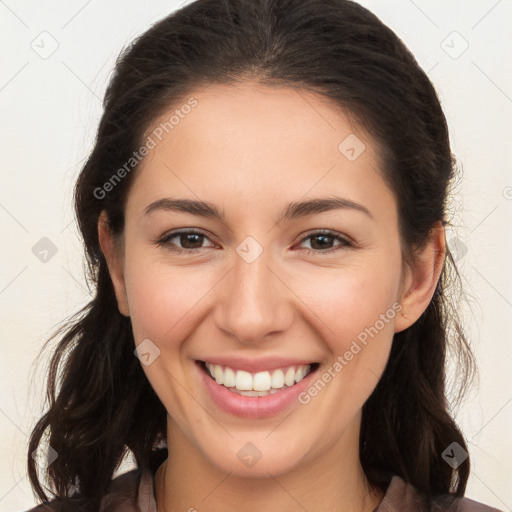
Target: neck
335	481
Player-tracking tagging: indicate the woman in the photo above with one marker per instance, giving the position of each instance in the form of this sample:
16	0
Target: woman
263	215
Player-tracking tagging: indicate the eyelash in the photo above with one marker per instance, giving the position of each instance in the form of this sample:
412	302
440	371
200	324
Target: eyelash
345	243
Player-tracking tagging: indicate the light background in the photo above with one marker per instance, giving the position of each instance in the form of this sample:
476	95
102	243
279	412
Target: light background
50	108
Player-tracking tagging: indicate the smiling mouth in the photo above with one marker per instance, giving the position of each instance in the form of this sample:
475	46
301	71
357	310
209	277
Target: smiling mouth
260	383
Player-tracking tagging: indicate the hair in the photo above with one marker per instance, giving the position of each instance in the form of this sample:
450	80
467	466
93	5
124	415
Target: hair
99	403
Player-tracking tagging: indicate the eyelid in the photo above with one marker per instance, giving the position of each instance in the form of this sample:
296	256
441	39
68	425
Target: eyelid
327	232
183	231
346	241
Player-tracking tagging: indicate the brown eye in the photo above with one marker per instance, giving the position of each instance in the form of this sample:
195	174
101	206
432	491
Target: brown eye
191	239
184	241
321	242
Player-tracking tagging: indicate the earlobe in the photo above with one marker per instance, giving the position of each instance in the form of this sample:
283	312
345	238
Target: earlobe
421	280
114	262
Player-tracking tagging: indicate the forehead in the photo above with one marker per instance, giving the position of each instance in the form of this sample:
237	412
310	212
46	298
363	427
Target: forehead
252	142
248	118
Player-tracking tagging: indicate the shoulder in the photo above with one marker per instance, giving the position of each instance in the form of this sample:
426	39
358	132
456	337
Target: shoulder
122	495
132	491
474	506
401	497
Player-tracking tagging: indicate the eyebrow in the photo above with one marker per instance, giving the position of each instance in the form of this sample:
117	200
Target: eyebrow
292	211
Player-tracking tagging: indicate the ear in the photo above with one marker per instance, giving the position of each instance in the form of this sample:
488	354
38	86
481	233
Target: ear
421	280
114	259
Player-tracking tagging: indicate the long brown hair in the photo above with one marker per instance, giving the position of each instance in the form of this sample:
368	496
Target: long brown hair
100	404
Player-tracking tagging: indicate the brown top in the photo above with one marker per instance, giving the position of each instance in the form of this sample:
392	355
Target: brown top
399	497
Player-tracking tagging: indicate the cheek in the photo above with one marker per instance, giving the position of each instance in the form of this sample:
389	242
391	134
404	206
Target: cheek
359	353
357	307
353	299
164	304
163	299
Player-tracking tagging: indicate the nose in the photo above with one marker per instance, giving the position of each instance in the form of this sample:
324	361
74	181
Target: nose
256	301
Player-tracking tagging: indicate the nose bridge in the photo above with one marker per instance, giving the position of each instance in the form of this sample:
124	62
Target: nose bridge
254	303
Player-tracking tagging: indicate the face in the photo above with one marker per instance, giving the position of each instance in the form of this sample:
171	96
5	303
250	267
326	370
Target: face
257	282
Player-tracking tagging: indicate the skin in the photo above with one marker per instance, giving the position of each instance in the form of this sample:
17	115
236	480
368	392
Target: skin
251	150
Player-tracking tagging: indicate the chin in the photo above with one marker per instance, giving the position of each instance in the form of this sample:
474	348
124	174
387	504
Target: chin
256	457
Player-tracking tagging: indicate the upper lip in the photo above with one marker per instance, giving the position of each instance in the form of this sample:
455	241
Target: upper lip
255	365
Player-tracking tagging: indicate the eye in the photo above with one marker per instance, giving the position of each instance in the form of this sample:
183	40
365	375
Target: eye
321	242
190	240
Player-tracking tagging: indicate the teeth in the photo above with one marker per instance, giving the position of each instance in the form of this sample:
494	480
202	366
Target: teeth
218	375
243	379
300	373
277	379
229	378
262	381
257	384
254	393
289	377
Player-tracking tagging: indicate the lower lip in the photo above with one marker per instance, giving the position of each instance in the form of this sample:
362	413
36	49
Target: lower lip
254	406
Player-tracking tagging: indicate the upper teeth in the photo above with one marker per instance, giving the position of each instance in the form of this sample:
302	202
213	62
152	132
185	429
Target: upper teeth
261	381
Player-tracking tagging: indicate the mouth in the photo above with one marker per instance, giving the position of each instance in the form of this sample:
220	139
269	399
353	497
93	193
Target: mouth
257	384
